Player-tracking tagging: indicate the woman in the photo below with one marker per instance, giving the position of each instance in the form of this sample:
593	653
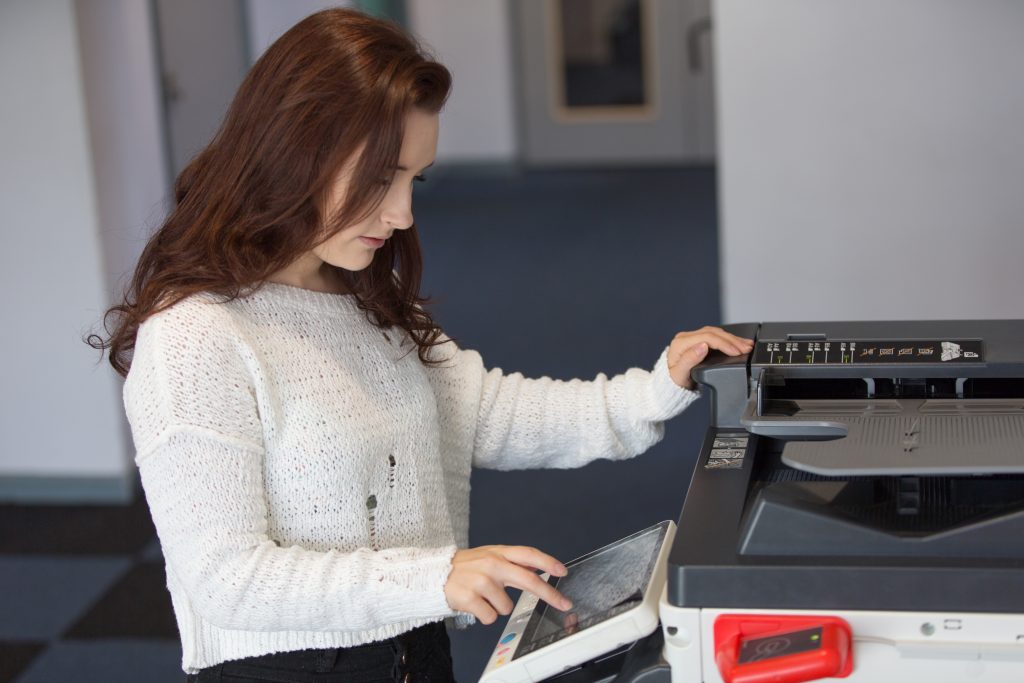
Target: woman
304	431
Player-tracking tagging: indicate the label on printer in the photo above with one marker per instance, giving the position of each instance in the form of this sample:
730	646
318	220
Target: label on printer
868	352
727	451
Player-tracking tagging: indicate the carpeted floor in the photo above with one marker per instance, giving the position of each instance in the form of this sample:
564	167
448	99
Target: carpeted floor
559	273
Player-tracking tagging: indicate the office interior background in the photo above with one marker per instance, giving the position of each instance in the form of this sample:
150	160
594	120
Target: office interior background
609	172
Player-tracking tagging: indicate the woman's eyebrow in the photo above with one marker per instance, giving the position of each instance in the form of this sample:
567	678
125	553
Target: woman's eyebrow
403	168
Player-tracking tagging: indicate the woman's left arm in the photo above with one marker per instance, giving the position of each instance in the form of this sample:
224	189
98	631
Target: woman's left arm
511	422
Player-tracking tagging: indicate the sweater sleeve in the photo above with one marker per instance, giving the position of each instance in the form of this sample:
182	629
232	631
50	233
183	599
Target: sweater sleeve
191	403
510	422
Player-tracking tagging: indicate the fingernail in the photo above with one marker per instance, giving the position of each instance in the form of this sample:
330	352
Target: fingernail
562	570
566	605
702	349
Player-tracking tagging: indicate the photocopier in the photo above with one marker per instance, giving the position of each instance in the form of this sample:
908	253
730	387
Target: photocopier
856	512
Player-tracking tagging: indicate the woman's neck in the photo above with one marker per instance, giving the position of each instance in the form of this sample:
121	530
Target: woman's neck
309	272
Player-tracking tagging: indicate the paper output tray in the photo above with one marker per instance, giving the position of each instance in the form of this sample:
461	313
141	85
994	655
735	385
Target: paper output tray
785	520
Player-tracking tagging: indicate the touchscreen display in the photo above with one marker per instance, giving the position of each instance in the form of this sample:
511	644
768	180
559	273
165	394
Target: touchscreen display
601	584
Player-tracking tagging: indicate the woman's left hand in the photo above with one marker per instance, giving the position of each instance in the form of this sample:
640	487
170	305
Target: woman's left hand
690	348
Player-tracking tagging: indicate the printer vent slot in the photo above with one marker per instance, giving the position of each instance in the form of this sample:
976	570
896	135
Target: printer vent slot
994	387
796	388
781	388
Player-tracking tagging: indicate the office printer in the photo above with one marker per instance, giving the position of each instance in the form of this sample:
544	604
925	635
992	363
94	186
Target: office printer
860	483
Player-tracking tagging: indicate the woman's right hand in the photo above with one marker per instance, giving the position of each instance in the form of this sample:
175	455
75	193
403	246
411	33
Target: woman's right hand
479	577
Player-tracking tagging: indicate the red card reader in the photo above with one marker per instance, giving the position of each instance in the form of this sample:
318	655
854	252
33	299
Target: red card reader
761	648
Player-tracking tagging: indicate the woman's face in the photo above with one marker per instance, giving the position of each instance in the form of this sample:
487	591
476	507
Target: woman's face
353	247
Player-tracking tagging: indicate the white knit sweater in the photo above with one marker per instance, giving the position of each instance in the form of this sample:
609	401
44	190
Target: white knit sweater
309	477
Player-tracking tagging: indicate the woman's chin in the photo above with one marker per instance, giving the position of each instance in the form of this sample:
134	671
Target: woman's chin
353	264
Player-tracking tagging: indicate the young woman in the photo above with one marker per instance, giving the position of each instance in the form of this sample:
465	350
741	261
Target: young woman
304	431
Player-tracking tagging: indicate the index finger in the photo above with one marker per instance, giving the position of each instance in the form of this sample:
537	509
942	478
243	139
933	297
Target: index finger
729	335
524	579
743	344
526	556
717	339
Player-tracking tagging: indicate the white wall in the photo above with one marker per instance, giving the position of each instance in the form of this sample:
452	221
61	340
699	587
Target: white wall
83	181
268	19
871	158
59	409
472	39
123	105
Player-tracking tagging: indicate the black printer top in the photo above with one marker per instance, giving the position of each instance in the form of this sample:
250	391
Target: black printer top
860	465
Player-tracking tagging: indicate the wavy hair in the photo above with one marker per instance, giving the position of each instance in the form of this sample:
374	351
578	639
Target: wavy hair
255	198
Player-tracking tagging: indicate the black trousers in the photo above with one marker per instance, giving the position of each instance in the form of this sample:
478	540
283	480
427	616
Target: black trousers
422	655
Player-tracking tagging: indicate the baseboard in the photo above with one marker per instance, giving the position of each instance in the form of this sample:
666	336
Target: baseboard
38	490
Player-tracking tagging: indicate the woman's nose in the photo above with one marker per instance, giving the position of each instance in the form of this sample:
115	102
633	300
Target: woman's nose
398	211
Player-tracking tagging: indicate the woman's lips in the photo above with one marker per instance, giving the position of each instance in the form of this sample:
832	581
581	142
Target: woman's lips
372	242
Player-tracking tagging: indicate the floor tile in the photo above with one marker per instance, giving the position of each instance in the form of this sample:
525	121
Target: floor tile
15	657
44	595
75	529
137	605
151	552
107	661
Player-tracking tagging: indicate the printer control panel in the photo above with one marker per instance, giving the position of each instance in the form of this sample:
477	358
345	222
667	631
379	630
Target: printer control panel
866	351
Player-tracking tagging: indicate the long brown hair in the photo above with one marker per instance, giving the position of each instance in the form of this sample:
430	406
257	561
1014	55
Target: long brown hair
254	199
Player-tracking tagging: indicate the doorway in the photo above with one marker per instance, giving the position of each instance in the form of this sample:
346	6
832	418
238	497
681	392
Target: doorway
615	81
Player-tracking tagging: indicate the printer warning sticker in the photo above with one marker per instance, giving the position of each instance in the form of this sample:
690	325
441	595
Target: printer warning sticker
724	464
727	452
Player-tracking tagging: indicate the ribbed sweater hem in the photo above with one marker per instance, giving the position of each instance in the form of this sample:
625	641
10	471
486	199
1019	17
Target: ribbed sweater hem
211	645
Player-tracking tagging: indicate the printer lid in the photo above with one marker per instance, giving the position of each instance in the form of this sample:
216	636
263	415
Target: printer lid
888	398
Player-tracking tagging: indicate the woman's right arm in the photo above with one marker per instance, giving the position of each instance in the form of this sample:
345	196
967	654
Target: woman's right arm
193	411
205	493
